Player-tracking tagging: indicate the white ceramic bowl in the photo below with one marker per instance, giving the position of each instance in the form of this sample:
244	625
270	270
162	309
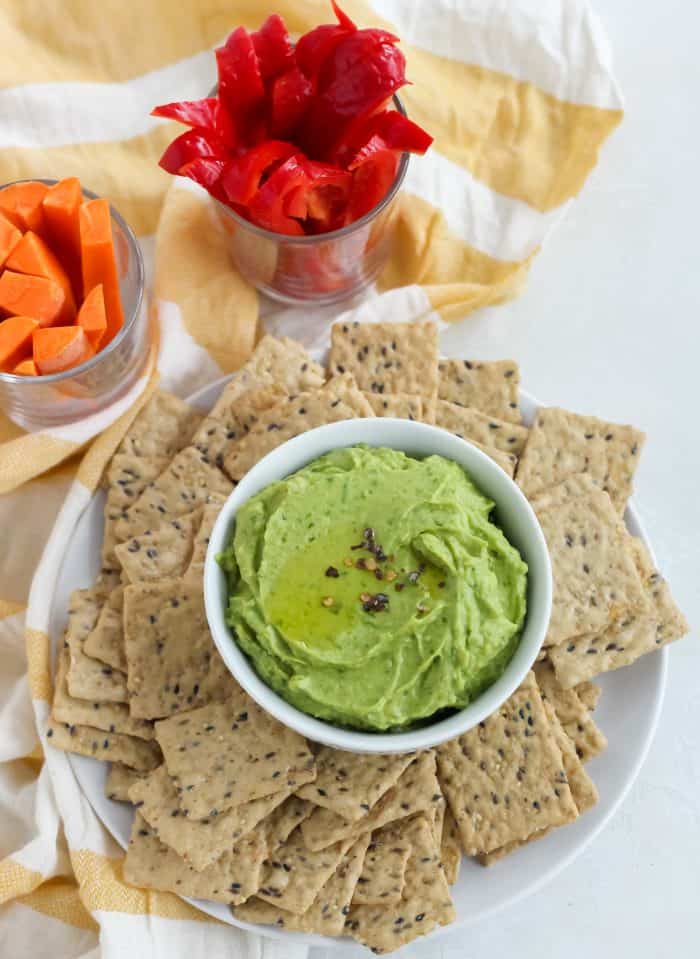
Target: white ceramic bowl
513	514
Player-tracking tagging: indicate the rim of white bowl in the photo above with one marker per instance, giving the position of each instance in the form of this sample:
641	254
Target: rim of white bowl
413	438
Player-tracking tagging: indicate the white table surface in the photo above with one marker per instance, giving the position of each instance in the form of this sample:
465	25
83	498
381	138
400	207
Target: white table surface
610	325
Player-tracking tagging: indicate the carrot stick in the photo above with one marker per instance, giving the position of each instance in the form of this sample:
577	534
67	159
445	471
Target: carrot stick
15	341
26	368
92	316
99	263
9	238
21	204
35	296
62	220
33	256
59	348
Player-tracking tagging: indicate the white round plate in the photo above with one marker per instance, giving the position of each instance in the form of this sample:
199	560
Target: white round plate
628	713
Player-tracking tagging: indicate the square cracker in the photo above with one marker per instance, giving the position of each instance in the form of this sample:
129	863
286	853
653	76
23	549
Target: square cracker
387	357
127	477
289	418
282	361
350	784
402	406
110	717
450	848
150	864
284	819
218	434
277	366
88	678
588	693
120	779
505	779
473	425
384	869
173	664
416	790
161	552
425	901
622	643
162	428
327	913
293	875
562	444
195	570
229	753
188	482
596	580
572	713
200	842
507	461
583	789
492	387
97	744
106	641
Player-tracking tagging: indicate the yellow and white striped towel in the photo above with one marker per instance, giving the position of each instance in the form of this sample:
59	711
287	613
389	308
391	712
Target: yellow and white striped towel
520	96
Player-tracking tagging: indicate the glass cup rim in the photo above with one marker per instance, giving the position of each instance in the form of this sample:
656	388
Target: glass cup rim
332	234
134	246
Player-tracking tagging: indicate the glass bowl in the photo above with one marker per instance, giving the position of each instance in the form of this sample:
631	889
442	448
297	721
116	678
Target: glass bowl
320	269
36	402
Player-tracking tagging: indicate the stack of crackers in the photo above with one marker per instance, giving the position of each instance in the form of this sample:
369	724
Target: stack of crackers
233	807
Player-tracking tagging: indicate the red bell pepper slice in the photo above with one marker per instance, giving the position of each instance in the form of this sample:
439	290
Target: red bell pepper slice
323	198
313	49
343	19
395	129
267	208
241	88
188	146
243	173
207	172
273	47
207	114
350	99
292	93
373	177
359	47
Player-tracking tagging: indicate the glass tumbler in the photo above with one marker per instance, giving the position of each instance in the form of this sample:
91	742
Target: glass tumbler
319	269
37	402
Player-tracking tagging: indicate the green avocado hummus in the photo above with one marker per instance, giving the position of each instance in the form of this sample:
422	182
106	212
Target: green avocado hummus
372	590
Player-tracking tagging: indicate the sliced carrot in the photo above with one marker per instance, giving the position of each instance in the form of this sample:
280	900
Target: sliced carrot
99	262
62	220
21	204
9	238
26	368
33	256
92	316
35	296
59	348
15	341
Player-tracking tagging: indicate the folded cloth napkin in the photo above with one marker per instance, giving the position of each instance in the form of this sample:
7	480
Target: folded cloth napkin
520	96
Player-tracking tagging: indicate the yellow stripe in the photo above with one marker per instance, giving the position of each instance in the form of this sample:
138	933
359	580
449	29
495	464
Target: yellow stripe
125	171
193	269
39	664
8	608
457	277
16	880
30	455
103	448
102	886
509	134
60	899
